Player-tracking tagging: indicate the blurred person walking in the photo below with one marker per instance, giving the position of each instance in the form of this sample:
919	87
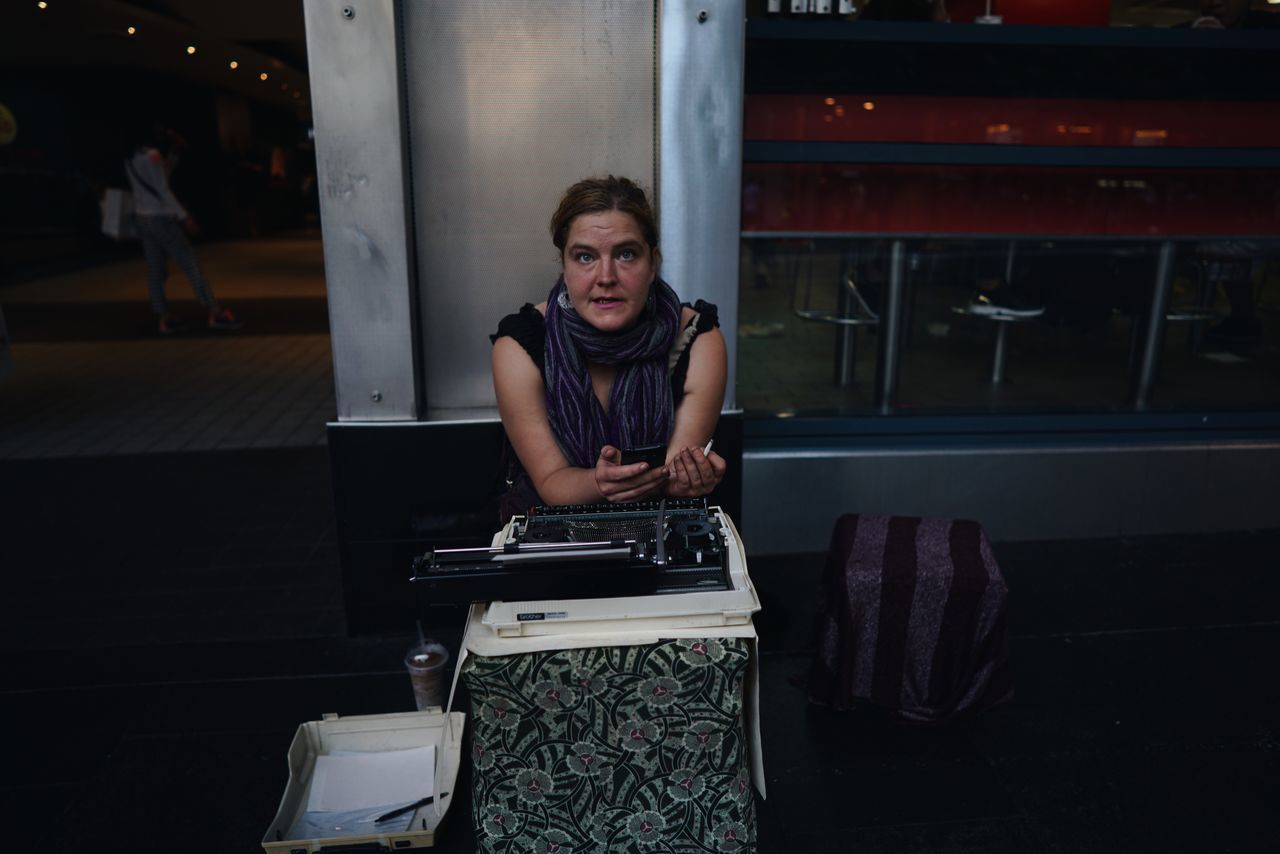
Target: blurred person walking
162	221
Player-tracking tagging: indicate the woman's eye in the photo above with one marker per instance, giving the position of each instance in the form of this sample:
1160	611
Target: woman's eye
627	255
584	258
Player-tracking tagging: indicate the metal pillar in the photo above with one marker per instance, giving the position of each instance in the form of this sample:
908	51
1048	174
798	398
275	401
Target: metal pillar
1153	341
846	340
999	356
701	63
891	330
364	182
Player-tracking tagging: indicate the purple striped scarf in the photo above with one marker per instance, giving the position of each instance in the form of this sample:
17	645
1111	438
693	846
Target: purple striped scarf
640	407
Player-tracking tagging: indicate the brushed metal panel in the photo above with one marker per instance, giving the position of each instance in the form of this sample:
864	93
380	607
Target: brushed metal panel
701	56
1245	489
359	163
510	102
1173	482
1017	493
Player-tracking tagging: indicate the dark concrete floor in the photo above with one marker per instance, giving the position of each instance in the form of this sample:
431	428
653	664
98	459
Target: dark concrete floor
170	619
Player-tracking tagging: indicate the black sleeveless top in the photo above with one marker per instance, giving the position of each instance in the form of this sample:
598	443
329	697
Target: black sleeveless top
529	329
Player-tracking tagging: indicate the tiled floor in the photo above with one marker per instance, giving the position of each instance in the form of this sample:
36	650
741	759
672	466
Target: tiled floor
286	267
190	394
91	377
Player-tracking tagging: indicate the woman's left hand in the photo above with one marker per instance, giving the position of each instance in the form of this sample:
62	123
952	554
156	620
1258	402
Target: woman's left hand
694	474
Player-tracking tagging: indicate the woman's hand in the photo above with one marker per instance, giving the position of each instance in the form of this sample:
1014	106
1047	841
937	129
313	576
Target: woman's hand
694	474
633	482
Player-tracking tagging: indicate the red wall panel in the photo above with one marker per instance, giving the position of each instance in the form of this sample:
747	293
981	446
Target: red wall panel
1019	121
829	198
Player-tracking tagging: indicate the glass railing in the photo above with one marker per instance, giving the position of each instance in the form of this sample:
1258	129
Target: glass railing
1007	323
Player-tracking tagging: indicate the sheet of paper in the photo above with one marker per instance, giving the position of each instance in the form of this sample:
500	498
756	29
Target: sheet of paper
352	781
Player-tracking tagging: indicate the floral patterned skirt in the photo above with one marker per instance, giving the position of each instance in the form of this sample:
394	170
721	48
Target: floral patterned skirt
633	748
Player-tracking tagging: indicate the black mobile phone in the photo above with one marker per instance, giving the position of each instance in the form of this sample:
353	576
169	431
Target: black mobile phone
654	455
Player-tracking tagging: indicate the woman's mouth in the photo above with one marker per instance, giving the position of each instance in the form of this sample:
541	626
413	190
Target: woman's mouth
606	302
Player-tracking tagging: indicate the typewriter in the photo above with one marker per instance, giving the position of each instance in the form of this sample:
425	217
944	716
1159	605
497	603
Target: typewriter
560	564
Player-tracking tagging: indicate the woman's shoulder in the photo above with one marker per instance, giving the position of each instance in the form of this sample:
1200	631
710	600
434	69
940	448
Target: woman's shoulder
525	325
695	319
527	328
702	316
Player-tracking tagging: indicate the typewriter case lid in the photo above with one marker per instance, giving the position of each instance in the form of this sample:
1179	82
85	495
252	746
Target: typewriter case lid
365	734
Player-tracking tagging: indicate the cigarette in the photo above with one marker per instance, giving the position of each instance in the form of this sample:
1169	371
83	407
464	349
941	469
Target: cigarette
707	449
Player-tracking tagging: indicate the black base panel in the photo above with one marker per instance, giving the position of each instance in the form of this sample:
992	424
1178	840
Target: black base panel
400	489
579	580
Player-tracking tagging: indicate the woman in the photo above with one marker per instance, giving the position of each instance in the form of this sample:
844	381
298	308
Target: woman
611	360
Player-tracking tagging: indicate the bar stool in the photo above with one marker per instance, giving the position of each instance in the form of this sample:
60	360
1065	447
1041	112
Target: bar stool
1260	291
850	313
1003	320
1196	315
1000	353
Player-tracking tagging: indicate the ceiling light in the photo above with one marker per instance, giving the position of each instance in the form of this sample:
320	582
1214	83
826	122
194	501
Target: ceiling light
132	31
191	49
43	5
234	64
262	76
868	105
830	102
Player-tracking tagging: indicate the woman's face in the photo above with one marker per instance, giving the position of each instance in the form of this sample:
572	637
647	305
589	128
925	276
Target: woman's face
608	269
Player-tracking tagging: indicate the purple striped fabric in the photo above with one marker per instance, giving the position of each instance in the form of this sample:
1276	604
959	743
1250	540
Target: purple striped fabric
911	617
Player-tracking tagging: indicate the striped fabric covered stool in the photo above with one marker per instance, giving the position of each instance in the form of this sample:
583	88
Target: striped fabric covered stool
911	617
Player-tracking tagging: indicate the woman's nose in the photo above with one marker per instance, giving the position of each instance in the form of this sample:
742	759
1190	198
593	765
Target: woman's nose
608	271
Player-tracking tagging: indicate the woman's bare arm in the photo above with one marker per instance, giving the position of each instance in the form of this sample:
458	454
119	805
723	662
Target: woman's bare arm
694	474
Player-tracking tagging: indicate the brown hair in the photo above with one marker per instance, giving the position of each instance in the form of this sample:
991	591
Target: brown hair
597	195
